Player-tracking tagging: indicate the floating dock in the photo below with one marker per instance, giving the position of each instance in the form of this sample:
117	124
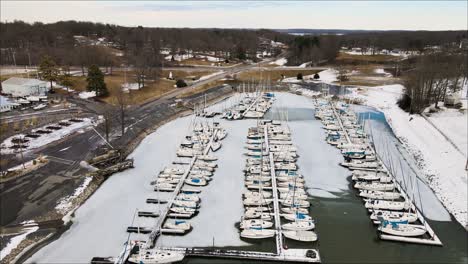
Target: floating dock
276	211
288	255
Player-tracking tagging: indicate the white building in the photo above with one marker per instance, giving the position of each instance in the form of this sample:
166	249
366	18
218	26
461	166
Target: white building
18	87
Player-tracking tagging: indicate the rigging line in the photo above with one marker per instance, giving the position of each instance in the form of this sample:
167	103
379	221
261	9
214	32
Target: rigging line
405	185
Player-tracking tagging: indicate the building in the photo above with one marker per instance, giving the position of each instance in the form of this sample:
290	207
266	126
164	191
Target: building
18	87
6	105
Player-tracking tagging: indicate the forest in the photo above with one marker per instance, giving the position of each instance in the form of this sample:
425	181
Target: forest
30	42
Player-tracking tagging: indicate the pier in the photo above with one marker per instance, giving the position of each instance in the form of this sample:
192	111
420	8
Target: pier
276	211
251	105
156	230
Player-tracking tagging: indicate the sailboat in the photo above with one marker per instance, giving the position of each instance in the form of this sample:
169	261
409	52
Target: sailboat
178	225
299	225
157	256
257	233
388	205
252	223
300	235
401	228
378	215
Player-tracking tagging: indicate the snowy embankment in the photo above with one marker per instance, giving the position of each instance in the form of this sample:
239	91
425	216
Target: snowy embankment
44	139
66	203
29	227
442	164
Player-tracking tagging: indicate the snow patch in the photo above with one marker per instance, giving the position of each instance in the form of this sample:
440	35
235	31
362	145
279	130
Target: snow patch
45	139
86	95
280	62
66	203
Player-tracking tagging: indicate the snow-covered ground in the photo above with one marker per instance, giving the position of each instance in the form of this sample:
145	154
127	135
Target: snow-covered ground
126	87
397	54
45	139
279	62
29	227
178	57
86	95
5	70
442	165
328	76
382	72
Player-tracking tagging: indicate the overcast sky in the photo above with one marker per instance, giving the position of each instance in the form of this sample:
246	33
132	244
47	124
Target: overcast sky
412	15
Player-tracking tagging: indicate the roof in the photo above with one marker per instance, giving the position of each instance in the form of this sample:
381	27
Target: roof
23	81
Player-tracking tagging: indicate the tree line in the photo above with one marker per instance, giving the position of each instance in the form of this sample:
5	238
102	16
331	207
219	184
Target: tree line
314	49
24	44
402	40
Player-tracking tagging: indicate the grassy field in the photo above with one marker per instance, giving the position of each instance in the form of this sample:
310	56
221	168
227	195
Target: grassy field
180	74
152	89
272	75
362	59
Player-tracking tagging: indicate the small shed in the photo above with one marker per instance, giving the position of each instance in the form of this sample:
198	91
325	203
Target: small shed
18	87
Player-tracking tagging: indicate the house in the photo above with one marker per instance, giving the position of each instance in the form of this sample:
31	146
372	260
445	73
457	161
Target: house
18	87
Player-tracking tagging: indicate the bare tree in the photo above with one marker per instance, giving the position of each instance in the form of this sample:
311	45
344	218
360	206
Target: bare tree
122	101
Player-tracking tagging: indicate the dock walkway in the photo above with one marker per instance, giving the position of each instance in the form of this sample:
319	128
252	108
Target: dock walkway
276	210
251	105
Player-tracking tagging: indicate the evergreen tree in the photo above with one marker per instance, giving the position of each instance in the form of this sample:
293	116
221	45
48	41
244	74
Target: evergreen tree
95	81
48	70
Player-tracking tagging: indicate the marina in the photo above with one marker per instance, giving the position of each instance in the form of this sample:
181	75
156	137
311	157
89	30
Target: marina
326	190
207	133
